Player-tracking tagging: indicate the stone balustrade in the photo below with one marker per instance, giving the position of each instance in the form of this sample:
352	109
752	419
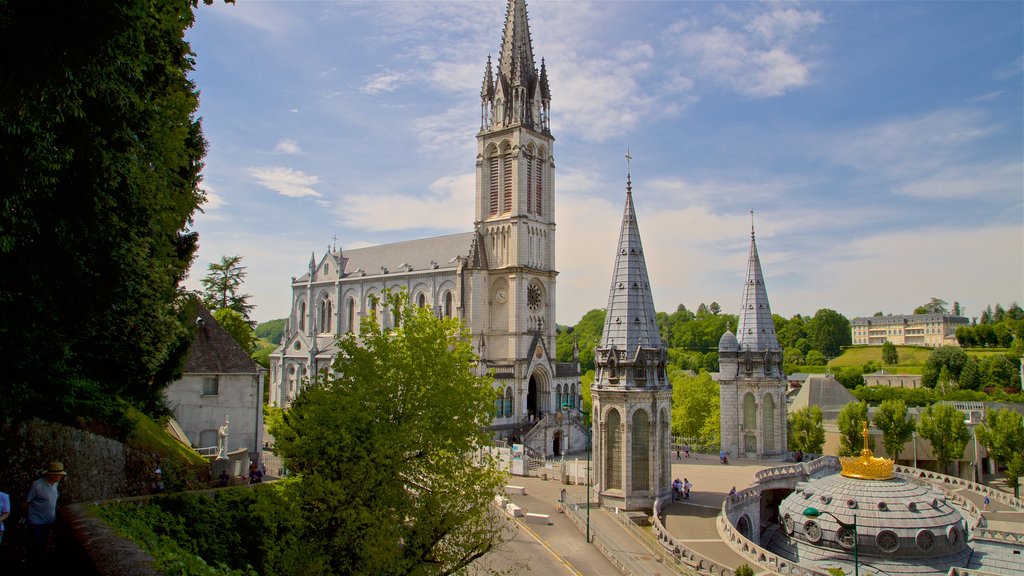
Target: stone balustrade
679	550
1000	536
950	481
746	548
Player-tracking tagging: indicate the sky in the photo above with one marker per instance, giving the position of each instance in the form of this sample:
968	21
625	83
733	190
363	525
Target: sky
879	144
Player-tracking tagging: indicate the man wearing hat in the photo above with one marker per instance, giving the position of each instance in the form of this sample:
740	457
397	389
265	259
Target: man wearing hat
41	511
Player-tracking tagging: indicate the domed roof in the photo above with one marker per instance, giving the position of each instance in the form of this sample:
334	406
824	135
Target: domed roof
728	342
891	515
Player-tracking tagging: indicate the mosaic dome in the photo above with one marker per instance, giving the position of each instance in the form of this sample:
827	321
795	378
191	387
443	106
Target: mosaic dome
894	517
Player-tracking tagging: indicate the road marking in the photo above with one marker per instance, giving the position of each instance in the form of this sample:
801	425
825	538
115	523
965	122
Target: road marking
565	563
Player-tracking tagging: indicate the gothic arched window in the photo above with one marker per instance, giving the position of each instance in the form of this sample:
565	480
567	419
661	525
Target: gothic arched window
302	317
641	448
351	315
448	302
508	401
498	403
493	182
538	183
506	179
325	315
421	300
749	412
613	457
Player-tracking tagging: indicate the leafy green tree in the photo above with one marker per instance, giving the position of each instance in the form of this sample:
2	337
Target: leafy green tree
588	333
943	425
234	324
896	426
829	331
715	308
794	330
1002	434
805	430
272	330
956	309
952	358
935	306
222	284
851	428
815	358
100	158
889	354
694	398
385	450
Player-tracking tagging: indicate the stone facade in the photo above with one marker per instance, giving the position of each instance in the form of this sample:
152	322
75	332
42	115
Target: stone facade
632	397
500	279
752	385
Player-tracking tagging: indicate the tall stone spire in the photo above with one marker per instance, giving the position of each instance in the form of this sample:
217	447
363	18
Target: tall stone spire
520	96
756	330
630	323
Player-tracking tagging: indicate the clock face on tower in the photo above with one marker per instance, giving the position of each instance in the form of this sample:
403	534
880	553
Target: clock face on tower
501	296
533	299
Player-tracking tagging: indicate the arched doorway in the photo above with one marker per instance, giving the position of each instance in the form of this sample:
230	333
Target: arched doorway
537	399
556	443
531	397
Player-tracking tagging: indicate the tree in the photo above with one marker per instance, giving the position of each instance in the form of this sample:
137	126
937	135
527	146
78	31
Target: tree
271	330
100	159
943	425
815	358
714	308
896	426
956	309
221	286
935	306
1002	434
805	431
889	354
829	331
384	450
587	333
851	429
694	399
952	358
234	324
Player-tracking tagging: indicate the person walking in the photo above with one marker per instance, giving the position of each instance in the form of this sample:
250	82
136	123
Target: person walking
988	503
40	507
686	488
686	449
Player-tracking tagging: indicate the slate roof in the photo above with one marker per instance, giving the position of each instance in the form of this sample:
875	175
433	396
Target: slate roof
756	329
421	254
214	351
630	322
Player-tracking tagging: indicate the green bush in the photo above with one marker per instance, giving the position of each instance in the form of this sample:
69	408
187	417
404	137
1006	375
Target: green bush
744	570
236	531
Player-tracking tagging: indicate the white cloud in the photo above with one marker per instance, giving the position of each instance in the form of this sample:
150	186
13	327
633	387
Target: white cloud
447	205
969	180
910	146
1010	70
287	146
755	55
286	181
386	81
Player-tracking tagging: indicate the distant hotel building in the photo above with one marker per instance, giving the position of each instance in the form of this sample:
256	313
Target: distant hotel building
910	330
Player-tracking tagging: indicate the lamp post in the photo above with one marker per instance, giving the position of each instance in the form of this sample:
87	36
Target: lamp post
814	513
589	432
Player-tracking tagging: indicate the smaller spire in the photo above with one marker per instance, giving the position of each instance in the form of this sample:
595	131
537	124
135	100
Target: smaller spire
629	174
487	90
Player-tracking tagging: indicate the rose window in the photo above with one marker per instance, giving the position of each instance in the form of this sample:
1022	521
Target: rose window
925	539
887	540
812	531
846	537
533	297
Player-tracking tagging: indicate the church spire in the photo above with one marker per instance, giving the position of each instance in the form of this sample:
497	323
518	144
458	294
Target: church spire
630	322
756	330
520	94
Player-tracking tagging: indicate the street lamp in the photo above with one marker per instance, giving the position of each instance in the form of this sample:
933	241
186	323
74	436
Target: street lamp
814	513
565	406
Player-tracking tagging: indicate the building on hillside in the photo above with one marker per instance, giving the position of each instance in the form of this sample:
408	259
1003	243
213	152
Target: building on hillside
752	385
219	382
631	393
499	278
883	378
907	330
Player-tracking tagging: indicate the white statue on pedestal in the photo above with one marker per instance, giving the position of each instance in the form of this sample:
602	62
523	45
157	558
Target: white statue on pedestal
222	440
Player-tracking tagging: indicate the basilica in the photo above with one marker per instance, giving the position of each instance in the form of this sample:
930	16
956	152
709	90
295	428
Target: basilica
499	278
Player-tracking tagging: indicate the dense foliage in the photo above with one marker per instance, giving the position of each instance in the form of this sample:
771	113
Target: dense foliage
943	425
235	324
805	431
272	330
896	425
1003	435
100	156
851	427
234	532
385	450
695	406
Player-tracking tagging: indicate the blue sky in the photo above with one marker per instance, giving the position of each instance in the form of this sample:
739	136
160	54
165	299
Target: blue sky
880	144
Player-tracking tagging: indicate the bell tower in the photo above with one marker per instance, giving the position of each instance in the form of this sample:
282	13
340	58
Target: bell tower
514	249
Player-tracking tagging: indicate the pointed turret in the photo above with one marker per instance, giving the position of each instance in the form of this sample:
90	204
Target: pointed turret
756	330
514	97
630	322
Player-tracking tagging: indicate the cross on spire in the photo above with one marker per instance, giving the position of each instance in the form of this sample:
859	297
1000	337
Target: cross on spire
629	176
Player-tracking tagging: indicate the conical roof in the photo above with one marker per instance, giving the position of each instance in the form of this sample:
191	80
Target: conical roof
756	330
516	45
630	321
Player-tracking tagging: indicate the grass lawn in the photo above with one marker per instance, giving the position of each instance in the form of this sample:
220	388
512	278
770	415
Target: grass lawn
909	357
152	436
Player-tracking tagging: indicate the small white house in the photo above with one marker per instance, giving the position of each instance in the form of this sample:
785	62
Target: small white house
220	382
